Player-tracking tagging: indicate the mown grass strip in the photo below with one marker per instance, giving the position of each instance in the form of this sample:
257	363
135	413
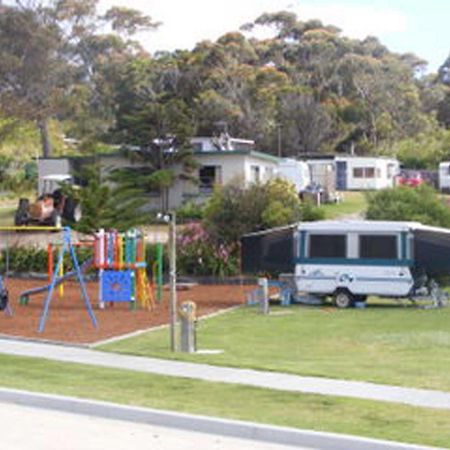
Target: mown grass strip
358	417
384	343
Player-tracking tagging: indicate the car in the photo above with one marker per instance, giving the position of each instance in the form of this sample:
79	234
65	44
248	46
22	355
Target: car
412	179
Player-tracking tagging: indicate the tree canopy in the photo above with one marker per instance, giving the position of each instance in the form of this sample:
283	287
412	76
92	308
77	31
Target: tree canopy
306	89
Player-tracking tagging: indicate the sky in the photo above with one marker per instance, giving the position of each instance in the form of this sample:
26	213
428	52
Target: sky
404	26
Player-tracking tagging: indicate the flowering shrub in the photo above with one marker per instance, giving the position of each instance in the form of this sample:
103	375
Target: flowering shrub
199	254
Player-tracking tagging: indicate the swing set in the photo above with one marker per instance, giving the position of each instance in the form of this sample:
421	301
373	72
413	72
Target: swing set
120	259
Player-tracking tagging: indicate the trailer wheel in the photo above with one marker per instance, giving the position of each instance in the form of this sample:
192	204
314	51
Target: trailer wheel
343	298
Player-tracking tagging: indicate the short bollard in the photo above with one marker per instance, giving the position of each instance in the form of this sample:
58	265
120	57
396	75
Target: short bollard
263	283
188	319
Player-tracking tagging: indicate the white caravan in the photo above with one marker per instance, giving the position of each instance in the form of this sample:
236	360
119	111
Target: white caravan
351	260
297	172
444	176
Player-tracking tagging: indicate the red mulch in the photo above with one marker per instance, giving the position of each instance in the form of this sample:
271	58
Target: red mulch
68	319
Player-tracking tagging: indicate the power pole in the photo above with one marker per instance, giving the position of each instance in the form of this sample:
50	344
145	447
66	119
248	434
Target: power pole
279	140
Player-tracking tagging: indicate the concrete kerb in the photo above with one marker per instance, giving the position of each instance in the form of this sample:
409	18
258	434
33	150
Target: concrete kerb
9	337
223	427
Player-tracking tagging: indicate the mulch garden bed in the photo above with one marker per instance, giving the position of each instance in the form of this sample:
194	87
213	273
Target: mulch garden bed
68	320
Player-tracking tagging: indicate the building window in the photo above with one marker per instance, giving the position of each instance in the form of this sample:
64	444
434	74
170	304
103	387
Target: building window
255	174
327	246
378	247
269	173
209	176
358	172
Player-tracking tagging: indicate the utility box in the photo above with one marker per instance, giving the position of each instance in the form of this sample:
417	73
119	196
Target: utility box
188	319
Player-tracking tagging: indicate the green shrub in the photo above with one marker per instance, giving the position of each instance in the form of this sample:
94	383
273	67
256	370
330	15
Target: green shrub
421	204
190	211
310	212
34	259
235	209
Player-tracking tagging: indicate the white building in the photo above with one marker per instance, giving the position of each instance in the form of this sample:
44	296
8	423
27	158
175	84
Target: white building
236	161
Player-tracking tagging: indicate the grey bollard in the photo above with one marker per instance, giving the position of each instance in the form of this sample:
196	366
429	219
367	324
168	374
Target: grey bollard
188	319
264	285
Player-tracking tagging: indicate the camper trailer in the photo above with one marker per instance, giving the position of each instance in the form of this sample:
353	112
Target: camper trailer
297	172
444	176
351	260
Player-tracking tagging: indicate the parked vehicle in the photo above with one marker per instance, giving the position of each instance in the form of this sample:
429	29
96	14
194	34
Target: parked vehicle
350	260
409	178
318	195
444	176
51	207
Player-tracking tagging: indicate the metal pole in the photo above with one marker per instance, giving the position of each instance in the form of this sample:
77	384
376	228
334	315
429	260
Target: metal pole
173	280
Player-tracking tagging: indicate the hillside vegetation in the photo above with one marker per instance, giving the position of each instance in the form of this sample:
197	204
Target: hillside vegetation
306	89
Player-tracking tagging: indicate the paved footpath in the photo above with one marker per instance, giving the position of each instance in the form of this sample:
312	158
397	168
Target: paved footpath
269	380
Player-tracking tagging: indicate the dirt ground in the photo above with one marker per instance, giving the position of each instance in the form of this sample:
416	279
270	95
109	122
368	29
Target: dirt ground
68	319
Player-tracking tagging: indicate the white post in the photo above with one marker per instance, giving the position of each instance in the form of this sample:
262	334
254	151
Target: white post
264	284
173	280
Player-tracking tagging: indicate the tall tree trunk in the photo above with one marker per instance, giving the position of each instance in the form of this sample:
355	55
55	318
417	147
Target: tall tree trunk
45	138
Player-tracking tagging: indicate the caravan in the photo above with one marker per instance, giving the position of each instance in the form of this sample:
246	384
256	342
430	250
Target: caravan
351	260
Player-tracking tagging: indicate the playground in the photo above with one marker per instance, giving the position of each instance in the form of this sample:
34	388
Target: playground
64	307
68	320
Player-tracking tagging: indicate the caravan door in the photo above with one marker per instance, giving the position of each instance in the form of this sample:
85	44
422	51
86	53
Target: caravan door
341	175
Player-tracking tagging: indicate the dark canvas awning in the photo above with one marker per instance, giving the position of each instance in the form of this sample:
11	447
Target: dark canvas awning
271	251
432	251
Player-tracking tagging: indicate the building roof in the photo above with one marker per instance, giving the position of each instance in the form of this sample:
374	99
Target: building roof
115	154
252	153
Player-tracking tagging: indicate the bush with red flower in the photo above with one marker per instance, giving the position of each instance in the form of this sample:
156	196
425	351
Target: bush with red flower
199	254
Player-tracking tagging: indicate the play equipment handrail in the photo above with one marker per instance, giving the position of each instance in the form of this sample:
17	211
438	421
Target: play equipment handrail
26	228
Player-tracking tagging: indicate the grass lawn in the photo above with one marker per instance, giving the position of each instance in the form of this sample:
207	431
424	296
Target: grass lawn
359	417
384	343
7	215
352	203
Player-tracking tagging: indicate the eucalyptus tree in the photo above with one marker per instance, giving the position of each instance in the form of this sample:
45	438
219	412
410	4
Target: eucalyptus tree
50	49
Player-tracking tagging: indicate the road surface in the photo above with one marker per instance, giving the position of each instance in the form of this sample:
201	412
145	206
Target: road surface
25	428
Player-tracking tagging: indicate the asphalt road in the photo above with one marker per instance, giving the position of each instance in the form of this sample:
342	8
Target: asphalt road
27	428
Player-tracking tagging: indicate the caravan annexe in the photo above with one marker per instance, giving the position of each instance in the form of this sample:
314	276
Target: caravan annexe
351	259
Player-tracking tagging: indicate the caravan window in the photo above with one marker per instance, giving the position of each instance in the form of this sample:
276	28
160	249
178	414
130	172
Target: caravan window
378	246
327	246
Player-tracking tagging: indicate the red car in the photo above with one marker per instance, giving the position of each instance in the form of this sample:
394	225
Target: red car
412	179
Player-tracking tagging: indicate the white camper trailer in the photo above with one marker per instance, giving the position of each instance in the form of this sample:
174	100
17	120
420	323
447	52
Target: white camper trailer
444	176
351	260
297	172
